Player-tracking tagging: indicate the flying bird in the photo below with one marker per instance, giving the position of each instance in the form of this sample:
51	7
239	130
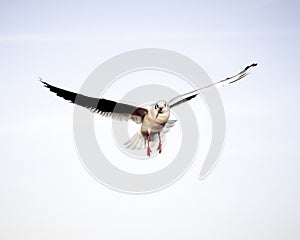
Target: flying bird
154	119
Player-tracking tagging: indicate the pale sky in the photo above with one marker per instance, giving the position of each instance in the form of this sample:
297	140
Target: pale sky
253	193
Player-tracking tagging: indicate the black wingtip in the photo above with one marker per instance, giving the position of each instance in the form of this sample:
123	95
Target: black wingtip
44	83
41	80
252	65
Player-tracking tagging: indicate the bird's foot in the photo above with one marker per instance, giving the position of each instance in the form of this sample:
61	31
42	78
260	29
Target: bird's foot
159	148
148	151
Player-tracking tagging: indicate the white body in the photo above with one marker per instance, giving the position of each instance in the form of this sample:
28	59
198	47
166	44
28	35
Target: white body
153	122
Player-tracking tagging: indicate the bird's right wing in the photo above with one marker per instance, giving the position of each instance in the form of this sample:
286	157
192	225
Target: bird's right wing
188	96
102	106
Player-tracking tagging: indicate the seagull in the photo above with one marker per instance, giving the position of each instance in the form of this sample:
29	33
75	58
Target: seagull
154	119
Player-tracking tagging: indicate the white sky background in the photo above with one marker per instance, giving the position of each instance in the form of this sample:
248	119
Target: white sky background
253	192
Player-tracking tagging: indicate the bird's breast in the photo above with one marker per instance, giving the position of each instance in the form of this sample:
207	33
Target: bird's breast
152	124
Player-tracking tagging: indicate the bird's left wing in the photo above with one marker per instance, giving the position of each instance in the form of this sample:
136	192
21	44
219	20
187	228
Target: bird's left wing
188	96
102	106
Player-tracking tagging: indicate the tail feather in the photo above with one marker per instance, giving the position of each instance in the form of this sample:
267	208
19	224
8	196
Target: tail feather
136	142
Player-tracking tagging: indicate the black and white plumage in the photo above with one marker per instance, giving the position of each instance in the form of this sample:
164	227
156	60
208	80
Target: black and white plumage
154	119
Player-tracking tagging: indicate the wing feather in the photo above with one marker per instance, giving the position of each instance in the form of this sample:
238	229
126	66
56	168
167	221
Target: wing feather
190	95
105	107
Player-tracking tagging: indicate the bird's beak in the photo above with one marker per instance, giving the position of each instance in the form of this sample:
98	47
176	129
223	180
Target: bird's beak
158	112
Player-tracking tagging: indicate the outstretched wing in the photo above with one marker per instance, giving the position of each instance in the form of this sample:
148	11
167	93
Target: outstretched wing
102	106
188	96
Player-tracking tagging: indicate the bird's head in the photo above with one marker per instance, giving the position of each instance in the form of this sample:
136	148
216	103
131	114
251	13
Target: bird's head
161	107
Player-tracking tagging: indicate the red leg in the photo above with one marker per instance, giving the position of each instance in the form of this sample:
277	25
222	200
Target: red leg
148	149
159	148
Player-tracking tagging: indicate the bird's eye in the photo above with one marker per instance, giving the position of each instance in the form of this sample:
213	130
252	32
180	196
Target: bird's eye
156	106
